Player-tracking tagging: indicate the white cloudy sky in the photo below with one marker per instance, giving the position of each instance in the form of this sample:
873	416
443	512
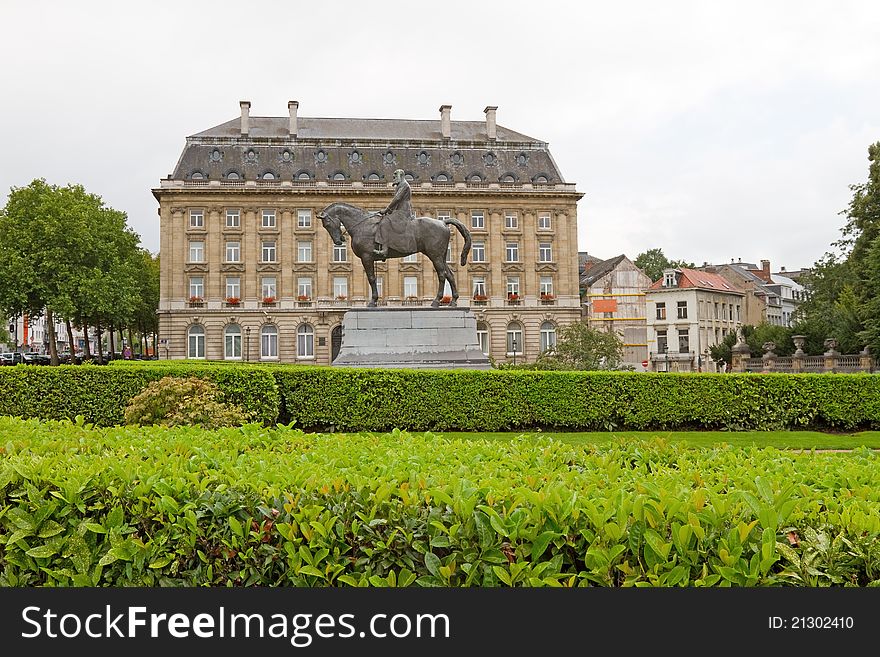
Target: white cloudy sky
710	129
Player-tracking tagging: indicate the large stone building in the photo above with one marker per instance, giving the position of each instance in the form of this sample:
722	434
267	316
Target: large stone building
613	293
248	272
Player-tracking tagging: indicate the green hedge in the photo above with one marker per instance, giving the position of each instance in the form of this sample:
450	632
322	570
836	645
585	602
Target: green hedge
378	400
100	394
127	506
418	400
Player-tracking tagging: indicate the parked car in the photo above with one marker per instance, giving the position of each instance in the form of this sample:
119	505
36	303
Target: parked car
11	358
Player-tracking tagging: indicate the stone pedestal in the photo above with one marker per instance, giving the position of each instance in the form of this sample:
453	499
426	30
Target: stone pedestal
425	338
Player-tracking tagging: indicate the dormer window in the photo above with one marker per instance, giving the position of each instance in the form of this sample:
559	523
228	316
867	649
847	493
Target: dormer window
669	279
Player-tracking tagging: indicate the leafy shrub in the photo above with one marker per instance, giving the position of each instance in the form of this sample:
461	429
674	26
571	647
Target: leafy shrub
253	506
174	401
100	394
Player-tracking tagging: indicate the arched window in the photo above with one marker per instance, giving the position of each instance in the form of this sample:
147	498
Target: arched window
373	176
441	177
508	178
197	175
303	175
305	341
339	176
196	342
268	176
483	337
232	342
476	178
233	175
268	342
548	336
514	338
408	177
541	179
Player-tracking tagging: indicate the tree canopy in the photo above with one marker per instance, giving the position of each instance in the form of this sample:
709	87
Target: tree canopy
653	262
579	347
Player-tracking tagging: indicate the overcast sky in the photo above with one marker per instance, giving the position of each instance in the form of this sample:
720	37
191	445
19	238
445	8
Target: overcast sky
713	130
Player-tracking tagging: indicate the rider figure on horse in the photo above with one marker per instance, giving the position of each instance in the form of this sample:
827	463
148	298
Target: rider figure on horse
393	222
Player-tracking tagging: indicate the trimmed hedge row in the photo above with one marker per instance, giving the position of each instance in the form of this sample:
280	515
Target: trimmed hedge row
132	506
380	400
100	394
419	400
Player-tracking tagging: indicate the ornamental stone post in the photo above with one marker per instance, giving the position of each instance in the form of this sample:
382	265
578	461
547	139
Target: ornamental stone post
739	352
831	354
797	360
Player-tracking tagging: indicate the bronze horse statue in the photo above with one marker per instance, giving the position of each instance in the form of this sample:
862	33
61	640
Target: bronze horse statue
431	237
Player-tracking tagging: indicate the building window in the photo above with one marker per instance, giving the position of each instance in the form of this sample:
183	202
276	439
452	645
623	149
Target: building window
423	157
449	257
305	341
545	252
511	220
268	342
514	338
269	219
669	279
511	252
412	257
233	175
232	342
340	253
197	287
483	337
303	251
479	286
233	251
661	310
195	337
512	286
546	288
303	218
683	342
541	180
197	251
268	252
340	287
233	218
339	176
304	175
268	176
478	220
478	252
233	287
662	345
269	287
738	317
304	288
373	177
544	221
441	178
548	336
196	219
717	316
682	308
410	286
380	286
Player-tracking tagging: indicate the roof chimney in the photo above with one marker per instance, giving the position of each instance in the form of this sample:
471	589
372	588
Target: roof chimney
490	122
245	115
292	107
445	124
765	271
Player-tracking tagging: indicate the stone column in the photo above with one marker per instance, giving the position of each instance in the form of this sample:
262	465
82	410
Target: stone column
831	354
866	360
739	352
797	361
769	358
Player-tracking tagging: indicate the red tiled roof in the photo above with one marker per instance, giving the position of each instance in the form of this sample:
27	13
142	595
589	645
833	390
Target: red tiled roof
691	278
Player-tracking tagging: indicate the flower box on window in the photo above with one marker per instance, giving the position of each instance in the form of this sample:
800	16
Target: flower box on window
481	297
196	302
545	296
268	299
233	301
304	297
341	297
513	299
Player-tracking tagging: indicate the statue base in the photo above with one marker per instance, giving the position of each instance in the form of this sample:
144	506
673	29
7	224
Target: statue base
424	338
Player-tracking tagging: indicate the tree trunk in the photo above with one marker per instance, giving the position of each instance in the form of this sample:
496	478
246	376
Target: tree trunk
87	349
70	344
112	333
100	343
155	344
53	344
130	340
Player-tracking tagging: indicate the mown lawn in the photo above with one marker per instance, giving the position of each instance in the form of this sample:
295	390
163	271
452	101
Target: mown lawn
778	439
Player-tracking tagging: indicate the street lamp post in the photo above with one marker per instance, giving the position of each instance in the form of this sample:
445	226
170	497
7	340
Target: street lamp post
514	351
247	333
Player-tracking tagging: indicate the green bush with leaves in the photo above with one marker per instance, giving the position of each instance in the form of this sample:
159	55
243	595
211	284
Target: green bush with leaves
253	506
100	393
176	401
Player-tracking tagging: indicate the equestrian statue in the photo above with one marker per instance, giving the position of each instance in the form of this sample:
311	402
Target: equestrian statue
396	232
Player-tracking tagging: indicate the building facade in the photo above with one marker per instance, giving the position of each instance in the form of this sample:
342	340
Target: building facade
689	311
613	294
249	273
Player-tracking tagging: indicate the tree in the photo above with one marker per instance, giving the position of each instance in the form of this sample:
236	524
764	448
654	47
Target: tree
579	347
653	262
